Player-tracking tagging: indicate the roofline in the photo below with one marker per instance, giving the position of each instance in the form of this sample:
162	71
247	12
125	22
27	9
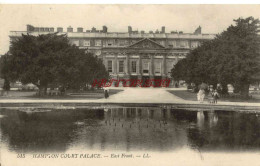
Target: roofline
87	35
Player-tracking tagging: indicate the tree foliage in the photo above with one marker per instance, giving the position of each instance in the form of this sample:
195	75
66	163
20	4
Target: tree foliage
50	59
233	57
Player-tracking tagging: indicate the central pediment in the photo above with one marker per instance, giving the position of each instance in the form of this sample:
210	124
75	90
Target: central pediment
146	44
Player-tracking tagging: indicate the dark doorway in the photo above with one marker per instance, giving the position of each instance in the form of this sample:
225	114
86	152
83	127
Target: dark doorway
133	81
157	81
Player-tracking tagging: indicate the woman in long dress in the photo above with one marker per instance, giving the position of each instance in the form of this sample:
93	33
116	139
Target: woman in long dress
198	95
201	95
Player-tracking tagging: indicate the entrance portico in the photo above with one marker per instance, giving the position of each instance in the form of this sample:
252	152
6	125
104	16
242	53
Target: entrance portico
144	59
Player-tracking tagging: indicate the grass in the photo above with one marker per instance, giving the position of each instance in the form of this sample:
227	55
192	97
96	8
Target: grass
188	95
97	94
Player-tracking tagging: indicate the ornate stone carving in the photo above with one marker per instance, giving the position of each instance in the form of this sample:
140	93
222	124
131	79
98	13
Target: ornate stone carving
147	43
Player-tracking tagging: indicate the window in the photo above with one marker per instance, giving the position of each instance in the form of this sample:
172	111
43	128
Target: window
161	42
110	42
86	43
145	67
121	42
184	43
133	66
182	55
178	43
194	44
121	66
133	41
76	42
169	66
109	66
97	42
172	43
98	52
157	68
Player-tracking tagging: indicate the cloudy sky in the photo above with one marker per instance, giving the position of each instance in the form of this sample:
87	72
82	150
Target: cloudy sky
212	18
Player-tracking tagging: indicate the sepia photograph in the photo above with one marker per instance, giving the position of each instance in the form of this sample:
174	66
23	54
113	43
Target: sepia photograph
129	84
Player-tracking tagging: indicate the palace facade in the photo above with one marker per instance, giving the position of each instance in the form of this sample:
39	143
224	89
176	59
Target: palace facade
131	54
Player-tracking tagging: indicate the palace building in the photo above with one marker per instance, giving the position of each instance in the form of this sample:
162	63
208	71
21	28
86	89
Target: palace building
131	54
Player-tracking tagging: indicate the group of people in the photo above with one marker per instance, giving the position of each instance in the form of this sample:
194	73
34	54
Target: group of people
213	96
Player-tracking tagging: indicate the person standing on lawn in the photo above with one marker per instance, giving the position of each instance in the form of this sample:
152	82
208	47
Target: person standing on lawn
201	95
215	96
106	92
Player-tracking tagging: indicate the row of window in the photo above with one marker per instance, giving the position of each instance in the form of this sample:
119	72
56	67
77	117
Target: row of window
87	43
121	66
112	42
145	67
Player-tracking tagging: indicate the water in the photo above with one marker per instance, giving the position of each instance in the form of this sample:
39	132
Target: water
128	129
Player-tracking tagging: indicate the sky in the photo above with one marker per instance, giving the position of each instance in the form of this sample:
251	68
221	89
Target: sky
212	18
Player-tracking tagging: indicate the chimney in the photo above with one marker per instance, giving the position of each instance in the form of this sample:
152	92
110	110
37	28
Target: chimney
104	29
174	32
129	29
93	29
157	31
197	31
30	28
69	29
59	29
80	29
163	29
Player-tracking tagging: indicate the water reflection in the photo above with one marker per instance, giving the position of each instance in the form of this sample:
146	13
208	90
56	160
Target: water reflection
128	129
212	118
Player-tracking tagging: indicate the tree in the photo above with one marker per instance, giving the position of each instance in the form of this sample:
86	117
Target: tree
197	66
233	57
6	86
46	60
3	70
90	67
96	69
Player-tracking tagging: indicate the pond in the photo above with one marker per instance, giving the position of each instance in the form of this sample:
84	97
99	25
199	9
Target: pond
155	129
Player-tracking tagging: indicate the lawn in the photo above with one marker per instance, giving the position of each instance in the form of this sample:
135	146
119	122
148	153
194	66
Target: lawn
97	94
188	95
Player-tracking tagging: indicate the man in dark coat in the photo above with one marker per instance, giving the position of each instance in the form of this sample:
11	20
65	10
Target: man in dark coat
106	93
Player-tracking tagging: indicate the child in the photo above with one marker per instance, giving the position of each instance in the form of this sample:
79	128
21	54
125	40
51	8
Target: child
215	96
